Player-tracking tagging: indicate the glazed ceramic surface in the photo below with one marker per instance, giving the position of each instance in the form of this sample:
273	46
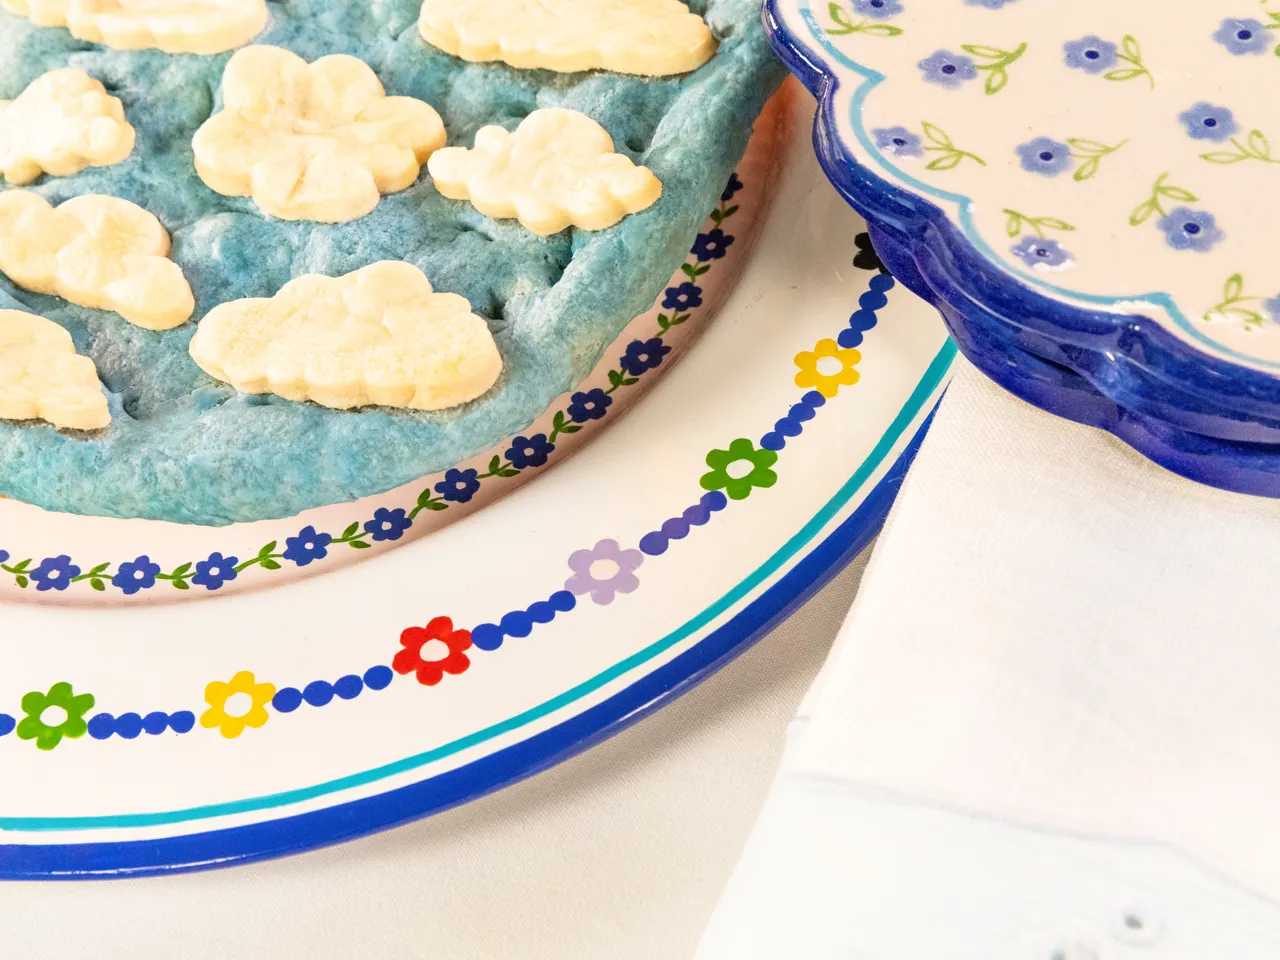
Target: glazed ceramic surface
64	558
150	738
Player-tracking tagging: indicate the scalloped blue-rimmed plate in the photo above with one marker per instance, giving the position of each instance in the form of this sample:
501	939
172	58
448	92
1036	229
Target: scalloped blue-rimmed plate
148	739
1205	411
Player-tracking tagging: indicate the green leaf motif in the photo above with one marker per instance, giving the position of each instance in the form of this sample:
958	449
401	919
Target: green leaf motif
359	544
21	581
937	135
270	565
181	585
434	505
1087	170
267	549
97	584
948	162
1130	46
351	530
1222	157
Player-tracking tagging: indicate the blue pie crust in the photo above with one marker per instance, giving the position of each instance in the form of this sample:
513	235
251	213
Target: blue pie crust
185	448
1210	419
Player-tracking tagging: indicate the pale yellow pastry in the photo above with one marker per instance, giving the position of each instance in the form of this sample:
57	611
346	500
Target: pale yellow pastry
655	38
557	169
312	142
43	378
95	251
61	123
379	335
174	26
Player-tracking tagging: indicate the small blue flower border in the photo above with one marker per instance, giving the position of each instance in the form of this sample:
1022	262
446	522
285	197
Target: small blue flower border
1129	363
458	486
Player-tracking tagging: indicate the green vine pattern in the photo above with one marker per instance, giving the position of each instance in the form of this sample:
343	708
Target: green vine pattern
1131	54
997	65
1019	222
845	26
1153	204
1092	153
1274	25
952	156
1231	305
1256	146
356	538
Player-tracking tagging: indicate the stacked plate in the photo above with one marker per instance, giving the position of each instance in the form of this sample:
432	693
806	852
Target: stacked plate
1088	195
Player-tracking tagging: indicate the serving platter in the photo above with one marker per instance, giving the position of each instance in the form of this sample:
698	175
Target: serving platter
150	738
1047	251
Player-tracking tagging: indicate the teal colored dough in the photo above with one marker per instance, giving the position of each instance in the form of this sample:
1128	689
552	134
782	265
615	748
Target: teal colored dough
184	447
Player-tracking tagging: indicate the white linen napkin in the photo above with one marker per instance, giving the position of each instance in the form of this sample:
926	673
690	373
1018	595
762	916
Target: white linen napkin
1050	729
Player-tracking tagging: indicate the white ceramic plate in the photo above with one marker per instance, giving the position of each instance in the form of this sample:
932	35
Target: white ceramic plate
138	739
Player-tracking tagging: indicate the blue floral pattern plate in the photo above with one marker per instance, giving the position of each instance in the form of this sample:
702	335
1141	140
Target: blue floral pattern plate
1098	180
157	737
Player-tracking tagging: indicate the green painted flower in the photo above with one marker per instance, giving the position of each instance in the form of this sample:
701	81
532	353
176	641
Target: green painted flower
54	715
737	481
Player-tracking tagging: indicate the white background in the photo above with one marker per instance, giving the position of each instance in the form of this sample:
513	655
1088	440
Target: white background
621	852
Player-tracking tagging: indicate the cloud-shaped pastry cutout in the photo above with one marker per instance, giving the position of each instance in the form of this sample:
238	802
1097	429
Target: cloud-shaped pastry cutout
655	38
43	378
379	335
174	26
320	142
100	252
557	170
63	122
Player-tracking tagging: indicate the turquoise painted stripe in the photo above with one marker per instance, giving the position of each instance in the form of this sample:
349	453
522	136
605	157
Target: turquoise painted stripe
914	407
872	79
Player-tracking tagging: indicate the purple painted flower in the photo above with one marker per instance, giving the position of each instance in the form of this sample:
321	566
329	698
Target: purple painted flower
1045	156
55	573
877	9
388	524
1041	254
1206	122
1242	36
603	571
947	68
1187	229
898	141
590	405
529	451
712	245
135	575
732	187
307	546
459	486
643	355
684	297
214	572
1272	307
1090	54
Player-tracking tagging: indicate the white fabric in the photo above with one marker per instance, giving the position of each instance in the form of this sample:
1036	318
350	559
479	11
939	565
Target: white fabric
618	854
1055	706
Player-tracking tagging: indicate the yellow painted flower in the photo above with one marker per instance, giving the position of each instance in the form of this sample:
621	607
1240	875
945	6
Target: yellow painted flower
811	368
229	711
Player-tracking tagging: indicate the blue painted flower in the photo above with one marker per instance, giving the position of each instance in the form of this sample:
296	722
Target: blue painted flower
732	187
947	68
1187	229
388	524
877	9
307	546
1041	253
684	297
643	355
712	245
136	575
898	141
55	573
459	486
1272	307
588	406
214	572
989	4
1206	122
529	451
1242	36
1090	54
1045	156
4	555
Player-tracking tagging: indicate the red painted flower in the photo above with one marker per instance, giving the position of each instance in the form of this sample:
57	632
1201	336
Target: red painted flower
431	668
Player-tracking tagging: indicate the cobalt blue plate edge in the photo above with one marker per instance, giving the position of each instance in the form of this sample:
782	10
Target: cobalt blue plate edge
1206	418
